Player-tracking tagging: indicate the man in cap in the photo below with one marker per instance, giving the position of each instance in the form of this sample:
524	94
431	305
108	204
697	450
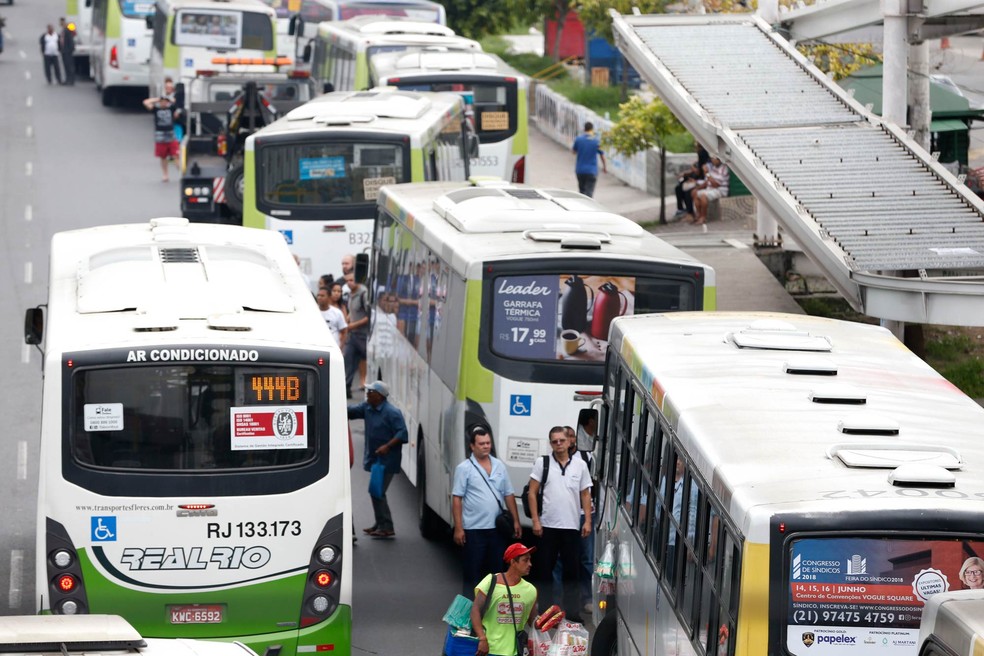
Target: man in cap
496	628
481	489
386	433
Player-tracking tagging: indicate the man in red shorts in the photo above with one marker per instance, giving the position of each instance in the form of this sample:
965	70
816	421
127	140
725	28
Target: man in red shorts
165	145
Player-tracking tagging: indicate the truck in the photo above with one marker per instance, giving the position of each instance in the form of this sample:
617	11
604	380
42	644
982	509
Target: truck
222	110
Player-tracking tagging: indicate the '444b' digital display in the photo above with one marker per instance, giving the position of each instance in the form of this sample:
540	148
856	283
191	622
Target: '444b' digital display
275	387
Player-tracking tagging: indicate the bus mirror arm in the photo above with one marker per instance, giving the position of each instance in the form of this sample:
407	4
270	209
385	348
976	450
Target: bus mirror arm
361	267
148	20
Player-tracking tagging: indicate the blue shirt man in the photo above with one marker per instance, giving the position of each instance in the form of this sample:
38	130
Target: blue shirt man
587	149
480	491
386	433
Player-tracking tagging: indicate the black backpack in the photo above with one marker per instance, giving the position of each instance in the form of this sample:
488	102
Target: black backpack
539	495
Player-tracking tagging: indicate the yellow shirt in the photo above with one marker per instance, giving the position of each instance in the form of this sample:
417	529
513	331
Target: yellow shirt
498	620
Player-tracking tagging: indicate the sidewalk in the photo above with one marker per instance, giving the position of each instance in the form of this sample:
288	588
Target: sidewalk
743	282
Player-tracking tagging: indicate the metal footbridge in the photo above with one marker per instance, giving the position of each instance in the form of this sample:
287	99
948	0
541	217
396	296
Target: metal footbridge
898	235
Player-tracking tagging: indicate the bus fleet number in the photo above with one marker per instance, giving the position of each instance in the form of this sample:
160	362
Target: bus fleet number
253	529
360	238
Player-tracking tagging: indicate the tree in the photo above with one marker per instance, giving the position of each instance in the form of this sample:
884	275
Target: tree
535	11
643	125
477	18
594	13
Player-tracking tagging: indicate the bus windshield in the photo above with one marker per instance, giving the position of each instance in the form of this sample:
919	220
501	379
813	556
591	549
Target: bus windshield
329	173
136	8
192	418
845	592
492	104
565	316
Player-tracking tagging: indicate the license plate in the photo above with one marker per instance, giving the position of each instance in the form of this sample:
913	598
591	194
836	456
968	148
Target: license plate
196	614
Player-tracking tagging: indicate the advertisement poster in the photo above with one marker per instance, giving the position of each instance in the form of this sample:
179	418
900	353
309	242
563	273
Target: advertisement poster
558	317
271	427
316	168
207	28
849	595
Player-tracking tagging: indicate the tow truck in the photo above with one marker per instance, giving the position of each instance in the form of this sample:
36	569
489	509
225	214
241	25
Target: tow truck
223	109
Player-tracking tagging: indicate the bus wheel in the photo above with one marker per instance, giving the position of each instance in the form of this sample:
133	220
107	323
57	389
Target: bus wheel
234	182
108	97
605	642
430	523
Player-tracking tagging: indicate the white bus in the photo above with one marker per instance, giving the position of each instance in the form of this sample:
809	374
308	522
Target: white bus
778	484
492	307
194	450
189	34
343	49
119	56
953	624
314	175
495	93
312	12
79	13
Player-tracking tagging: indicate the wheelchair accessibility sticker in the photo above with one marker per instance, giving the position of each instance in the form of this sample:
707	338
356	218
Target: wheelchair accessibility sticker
520	405
103	529
288	236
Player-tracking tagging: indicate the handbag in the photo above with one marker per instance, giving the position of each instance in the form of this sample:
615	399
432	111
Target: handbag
377	475
504	520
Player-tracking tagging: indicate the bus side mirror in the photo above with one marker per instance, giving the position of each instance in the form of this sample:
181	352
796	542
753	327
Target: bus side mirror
361	267
471	144
148	20
292	25
306	57
328	87
33	326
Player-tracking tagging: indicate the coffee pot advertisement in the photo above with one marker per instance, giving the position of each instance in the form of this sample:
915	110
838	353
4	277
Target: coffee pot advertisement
558	317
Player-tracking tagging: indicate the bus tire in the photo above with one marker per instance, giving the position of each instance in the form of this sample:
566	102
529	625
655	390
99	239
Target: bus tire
429	522
108	97
605	640
234	183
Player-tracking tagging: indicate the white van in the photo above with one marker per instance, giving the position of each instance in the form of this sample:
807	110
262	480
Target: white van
98	635
953	624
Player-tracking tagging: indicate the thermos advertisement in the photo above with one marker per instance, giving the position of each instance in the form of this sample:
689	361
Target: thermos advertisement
558	317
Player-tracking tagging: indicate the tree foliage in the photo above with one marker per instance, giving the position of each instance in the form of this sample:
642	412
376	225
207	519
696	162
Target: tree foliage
841	59
642	125
595	17
477	18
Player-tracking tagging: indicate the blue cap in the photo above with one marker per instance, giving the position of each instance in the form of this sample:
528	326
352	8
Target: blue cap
380	387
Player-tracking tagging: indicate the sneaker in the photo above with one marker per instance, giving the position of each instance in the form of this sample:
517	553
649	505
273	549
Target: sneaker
680	214
369	530
384	535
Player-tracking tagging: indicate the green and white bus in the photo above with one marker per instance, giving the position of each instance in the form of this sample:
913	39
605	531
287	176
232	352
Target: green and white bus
119	53
343	49
194	450
314	175
495	94
778	484
79	13
189	34
492	306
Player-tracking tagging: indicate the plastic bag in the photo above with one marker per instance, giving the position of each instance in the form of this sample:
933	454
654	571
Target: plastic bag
540	642
459	613
376	476
570	639
606	564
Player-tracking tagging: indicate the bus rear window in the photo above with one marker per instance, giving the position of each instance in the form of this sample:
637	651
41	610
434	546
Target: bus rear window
567	316
193	417
223	29
491	107
328	173
851	594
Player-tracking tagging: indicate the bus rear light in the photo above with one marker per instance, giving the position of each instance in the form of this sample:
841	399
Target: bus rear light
196	506
321	362
296	75
519	170
323	579
70	363
69	607
62	558
327	554
114	60
588	392
66	583
319	604
221	145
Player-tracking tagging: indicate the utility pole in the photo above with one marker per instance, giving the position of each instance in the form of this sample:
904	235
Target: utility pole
766	225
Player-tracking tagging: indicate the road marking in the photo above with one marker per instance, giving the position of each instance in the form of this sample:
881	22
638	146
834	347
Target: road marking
30	101
29	131
28	169
27	75
28	213
25	352
28	273
23	55
22	460
16	577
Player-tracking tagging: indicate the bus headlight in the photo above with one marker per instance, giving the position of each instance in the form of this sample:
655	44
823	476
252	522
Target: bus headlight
61	558
327	554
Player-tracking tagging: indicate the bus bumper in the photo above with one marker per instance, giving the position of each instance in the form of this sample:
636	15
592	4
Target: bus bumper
332	635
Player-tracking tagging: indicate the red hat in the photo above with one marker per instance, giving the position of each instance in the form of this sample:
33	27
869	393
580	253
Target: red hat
516	550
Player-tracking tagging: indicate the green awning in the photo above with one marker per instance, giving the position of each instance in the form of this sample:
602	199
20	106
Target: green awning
947	125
